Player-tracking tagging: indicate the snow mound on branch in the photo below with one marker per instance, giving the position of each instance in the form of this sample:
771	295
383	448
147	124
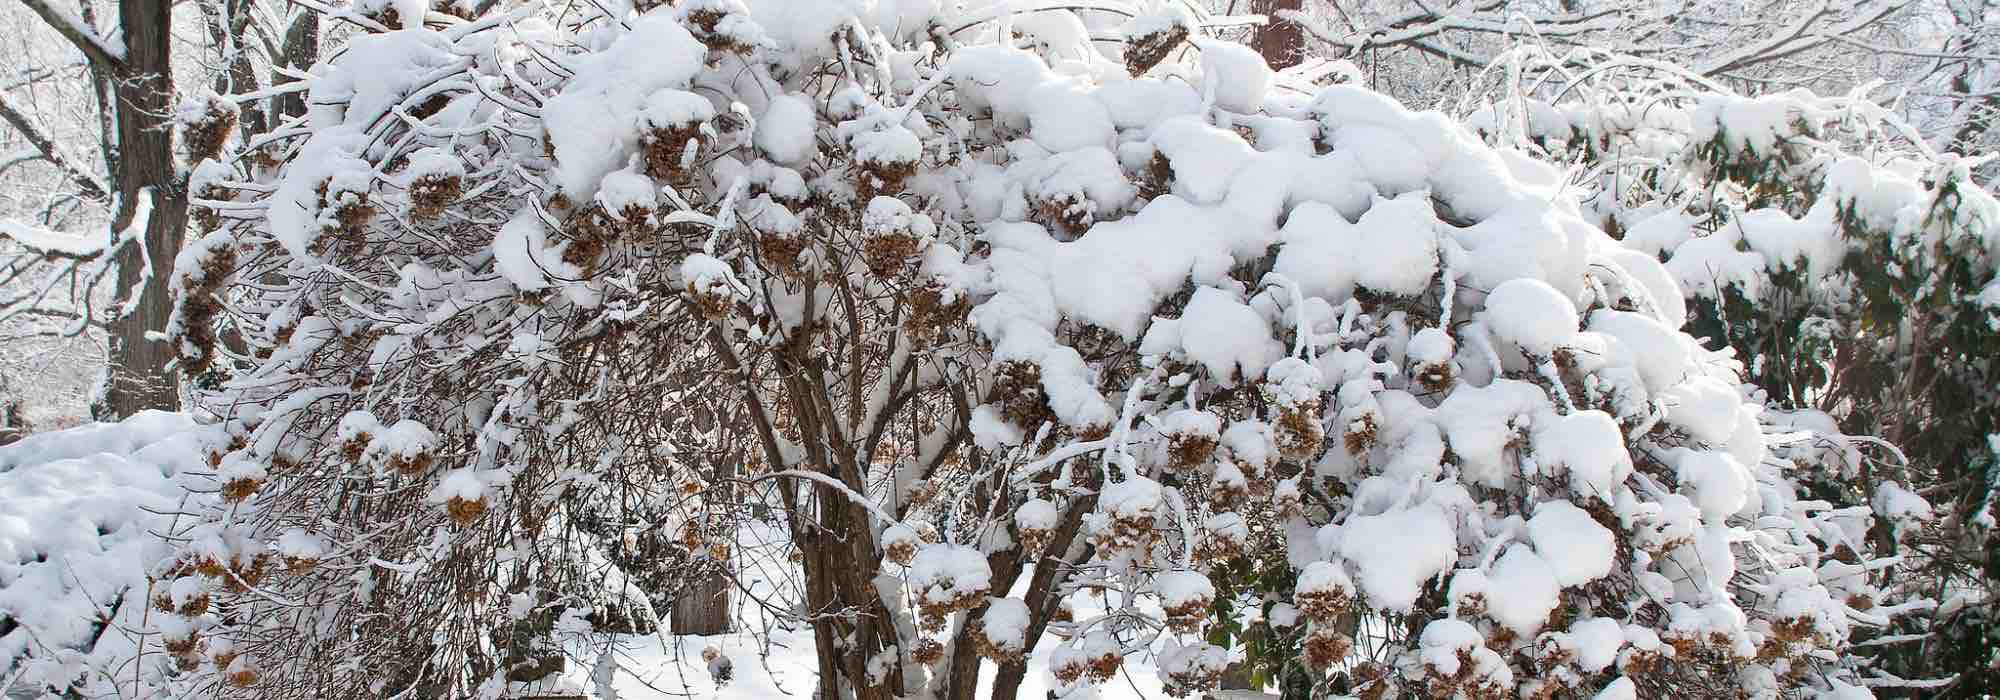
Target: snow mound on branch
1530	313
591	122
375	74
1395	553
76	538
1236	73
1223	334
1575	546
1399	234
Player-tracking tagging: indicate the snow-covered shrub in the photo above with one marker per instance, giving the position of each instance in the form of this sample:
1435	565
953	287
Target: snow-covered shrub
1140	323
1854	272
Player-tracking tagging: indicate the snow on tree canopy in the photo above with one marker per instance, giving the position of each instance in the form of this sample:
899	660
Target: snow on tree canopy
969	289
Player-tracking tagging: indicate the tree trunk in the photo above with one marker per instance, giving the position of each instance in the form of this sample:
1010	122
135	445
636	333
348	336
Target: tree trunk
1050	571
301	50
137	377
703	607
1281	41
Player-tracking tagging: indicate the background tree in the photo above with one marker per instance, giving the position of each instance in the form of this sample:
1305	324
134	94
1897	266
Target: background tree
133	85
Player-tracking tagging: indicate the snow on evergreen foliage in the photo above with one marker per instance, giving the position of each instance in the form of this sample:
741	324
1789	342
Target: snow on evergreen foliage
880	264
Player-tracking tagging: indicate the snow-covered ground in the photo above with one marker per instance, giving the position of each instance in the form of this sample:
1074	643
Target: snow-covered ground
79	509
780	663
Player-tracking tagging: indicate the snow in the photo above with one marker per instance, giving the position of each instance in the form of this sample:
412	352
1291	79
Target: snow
1431	346
1900	506
627	188
327	160
1204	158
949	572
1587	445
377	72
1522	590
591	122
1088	178
1195	661
1721	486
458	484
1704	406
1621	688
1444	641
125	437
1479	422
1036	514
296	543
1226	336
1235	74
1660	355
1192	423
786	130
42	239
1400	235
1660	232
433	161
1597	641
1063	117
1707	265
1811	244
887	214
890	144
1576	547
1229	527
1183	588
668	109
805	26
76	542
1531	314
1005	623
1396	552
1141	102
707	275
1325	577
521	253
1135	497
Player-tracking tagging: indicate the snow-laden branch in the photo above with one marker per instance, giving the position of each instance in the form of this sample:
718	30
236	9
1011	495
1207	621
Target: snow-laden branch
52	244
79	33
857	498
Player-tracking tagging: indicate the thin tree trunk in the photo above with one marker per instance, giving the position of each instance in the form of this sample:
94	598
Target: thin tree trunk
301	50
1282	42
1043	594
703	607
137	377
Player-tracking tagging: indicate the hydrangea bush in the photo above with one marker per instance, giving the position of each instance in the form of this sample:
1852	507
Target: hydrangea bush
1084	297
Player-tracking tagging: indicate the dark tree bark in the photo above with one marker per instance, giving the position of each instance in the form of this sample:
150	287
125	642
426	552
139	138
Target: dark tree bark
142	93
1043	592
703	607
134	85
1282	42
301	49
229	28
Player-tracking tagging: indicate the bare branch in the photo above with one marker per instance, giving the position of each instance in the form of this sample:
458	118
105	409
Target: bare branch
90	186
74	29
